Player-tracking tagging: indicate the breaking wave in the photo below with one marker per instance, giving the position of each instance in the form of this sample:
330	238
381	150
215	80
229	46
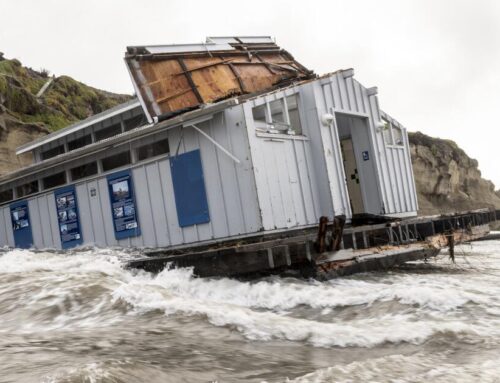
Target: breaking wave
92	289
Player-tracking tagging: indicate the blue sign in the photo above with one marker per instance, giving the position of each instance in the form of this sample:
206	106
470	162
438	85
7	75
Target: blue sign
121	194
366	156
68	217
21	226
189	189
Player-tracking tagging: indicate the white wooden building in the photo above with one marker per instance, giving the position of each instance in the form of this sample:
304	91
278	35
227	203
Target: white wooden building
245	166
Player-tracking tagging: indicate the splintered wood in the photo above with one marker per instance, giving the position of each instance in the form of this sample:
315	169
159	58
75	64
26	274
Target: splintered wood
170	83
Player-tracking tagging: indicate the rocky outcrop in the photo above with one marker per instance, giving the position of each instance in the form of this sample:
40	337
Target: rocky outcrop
447	179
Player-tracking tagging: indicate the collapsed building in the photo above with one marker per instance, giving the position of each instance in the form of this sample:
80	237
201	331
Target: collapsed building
228	139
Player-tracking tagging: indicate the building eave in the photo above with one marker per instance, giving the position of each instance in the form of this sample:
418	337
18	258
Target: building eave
119	109
119	140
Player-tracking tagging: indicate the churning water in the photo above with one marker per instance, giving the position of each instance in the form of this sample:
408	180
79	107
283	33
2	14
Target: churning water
82	317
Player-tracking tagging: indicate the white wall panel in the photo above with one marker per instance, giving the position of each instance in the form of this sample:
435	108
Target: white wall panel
156	205
8	226
4	240
53	221
106	212
285	170
144	206
85	211
36	224
97	214
43	205
392	168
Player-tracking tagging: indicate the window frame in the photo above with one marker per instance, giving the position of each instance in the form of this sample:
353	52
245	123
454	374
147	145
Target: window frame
130	160
269	129
73	179
390	126
138	148
43	180
52	152
115	130
19	195
11	190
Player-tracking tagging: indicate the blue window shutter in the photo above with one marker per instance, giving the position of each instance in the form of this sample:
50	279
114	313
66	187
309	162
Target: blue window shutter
189	189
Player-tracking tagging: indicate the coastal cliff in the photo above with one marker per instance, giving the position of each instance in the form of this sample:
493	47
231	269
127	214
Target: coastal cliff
25	117
447	179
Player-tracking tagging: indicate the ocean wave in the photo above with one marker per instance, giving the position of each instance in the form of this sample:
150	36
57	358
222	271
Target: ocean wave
418	367
90	288
268	325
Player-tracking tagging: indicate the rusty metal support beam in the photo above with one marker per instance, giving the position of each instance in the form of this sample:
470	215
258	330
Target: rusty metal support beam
321	239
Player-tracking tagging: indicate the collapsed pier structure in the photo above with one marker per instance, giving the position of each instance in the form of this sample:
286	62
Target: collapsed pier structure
228	143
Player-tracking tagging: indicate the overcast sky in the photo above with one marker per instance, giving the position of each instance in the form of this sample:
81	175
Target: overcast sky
436	62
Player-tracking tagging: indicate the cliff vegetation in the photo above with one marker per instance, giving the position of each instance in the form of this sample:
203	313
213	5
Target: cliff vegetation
24	116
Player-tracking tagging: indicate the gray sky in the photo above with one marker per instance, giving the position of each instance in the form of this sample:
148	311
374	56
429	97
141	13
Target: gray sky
436	62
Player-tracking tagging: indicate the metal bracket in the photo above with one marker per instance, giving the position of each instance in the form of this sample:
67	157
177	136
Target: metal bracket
219	146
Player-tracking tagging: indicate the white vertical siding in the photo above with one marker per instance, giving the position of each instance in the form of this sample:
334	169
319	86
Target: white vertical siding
230	187
36	223
4	227
284	173
400	178
86	220
8	223
395	193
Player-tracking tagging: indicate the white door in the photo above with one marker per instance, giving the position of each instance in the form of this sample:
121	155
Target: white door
352	176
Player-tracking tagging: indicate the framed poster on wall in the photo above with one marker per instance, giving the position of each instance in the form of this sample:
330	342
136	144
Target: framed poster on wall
21	225
68	217
123	206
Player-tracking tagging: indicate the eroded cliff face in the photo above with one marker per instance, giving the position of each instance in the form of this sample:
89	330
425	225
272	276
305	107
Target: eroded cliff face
14	133
447	179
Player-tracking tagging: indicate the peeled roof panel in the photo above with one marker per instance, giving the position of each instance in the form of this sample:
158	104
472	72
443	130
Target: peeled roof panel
173	78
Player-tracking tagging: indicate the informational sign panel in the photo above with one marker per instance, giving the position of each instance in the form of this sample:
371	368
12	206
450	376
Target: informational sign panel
123	207
189	189
19	213
68	217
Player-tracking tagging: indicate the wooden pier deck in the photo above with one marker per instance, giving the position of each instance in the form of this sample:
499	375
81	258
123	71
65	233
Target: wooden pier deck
329	250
